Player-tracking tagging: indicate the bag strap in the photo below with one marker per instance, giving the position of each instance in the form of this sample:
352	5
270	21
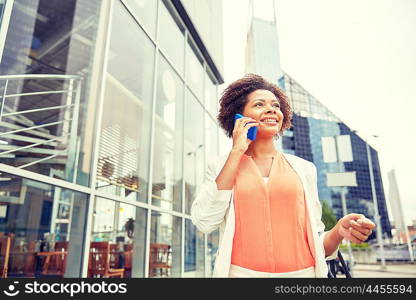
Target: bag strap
344	265
331	269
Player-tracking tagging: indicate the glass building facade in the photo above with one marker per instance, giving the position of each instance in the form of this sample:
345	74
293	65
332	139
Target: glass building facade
107	119
312	121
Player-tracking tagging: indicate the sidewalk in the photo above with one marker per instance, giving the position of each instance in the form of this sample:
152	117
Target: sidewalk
392	270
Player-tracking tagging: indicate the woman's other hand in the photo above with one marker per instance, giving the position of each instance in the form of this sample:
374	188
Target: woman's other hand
355	228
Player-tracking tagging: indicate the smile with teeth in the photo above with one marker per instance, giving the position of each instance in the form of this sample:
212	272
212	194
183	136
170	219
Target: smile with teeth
269	121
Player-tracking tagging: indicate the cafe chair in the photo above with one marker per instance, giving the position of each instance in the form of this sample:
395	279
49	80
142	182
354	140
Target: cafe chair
160	260
128	254
29	260
54	262
99	264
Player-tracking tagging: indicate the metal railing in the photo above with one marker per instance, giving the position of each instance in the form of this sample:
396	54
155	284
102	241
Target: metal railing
26	139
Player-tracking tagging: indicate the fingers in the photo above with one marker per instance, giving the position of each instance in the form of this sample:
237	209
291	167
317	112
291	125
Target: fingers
242	122
246	128
360	219
356	228
356	216
344	232
245	124
364	230
364	222
356	237
245	120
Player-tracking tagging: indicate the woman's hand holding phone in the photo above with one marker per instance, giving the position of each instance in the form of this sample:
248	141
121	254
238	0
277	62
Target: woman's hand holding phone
241	141
241	127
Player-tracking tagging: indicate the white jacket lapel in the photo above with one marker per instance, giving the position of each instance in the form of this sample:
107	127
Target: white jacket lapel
301	169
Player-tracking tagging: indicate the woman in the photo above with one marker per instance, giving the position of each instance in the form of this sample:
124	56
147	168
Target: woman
265	202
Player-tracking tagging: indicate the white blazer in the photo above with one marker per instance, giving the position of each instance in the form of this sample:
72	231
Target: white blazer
211	209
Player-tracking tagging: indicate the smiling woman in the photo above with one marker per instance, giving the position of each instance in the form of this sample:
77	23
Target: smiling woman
260	93
266	112
259	196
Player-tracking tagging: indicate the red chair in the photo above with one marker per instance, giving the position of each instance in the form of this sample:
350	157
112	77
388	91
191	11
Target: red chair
55	261
99	261
22	260
114	256
128	254
30	259
160	260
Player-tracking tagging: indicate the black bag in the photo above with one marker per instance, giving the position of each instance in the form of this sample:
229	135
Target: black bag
338	264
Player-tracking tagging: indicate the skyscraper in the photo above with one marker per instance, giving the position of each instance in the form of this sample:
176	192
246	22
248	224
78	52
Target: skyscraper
312	121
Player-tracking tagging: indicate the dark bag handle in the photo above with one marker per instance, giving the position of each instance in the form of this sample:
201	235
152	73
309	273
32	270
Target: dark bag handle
346	270
332	268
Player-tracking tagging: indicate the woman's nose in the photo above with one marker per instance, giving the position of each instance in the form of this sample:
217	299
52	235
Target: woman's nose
270	108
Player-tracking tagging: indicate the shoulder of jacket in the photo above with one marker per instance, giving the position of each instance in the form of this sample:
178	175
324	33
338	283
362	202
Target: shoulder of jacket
217	161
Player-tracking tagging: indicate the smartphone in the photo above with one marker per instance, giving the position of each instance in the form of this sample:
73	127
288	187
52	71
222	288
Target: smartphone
252	132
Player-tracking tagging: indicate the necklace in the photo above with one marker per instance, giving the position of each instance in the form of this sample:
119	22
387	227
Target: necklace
271	165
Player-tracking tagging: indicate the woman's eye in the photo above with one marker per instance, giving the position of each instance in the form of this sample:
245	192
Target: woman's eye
275	105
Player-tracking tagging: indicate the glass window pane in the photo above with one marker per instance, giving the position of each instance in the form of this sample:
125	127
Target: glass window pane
44	225
167	162
194	148
211	98
52	38
118	231
194	251
146	12
165	245
194	72
171	39
211	137
2	5
212	248
125	133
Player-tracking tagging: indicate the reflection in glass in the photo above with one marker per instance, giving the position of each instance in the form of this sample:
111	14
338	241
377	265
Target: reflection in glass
117	240
194	251
2	5
125	134
212	248
43	226
51	38
211	99
211	137
194	148
171	39
194	71
165	245
167	162
145	11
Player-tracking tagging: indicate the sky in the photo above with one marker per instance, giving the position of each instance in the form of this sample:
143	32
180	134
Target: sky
358	58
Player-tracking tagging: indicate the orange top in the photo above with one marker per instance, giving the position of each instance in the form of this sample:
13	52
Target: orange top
272	231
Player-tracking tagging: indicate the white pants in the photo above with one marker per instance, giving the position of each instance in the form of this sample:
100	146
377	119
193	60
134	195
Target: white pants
237	271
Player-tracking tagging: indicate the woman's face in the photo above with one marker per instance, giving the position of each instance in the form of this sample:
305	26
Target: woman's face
263	106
